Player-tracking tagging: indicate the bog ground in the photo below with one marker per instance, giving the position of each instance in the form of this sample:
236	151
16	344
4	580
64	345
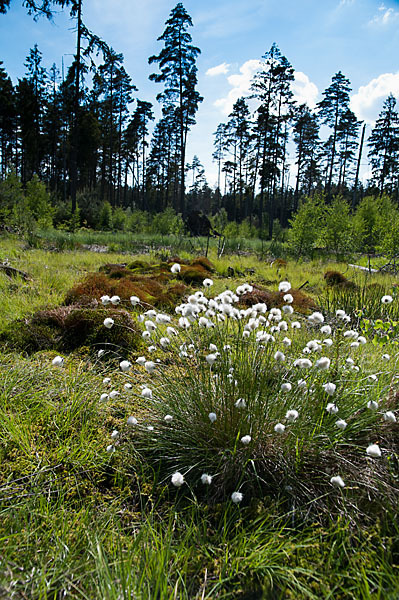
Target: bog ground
102	497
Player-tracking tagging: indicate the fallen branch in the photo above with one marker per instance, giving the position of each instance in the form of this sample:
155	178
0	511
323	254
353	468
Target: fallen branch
12	272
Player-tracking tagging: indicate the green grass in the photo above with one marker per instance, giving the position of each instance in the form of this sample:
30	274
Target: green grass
79	523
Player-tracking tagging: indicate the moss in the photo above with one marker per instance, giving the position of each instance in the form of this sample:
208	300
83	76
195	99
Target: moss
23	336
67	328
275	299
85	327
94	285
337	279
203	262
190	274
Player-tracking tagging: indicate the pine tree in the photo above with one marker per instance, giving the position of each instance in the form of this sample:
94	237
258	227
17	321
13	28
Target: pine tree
271	86
179	73
7	121
306	138
384	148
334	105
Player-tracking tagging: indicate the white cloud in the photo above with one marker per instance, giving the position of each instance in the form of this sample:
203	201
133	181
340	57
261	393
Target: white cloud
305	91
241	83
367	103
345	3
385	16
222	69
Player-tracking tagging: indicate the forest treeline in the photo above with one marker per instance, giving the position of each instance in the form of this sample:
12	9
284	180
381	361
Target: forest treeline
87	137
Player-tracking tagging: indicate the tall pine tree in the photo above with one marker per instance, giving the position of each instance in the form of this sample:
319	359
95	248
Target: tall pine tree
179	74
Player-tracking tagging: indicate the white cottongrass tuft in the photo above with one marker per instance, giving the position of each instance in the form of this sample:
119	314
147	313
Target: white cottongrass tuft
115	434
236	497
279	428
134	300
286	387
100	353
279	356
374	451
337	481
386	299
110	449
372	405
115	300
292	415
104	397
132	421
206	479
287	309
146	393
207	283
385	357
212	417
323	363
288	298
240	403
329	388
125	365
284	286
316	318
177	479
176	268
168	418
58	361
105	300
389	417
302	363
107	380
149	366
114	394
210	358
128	387
332	408
326	329
108	322
341	424
246	439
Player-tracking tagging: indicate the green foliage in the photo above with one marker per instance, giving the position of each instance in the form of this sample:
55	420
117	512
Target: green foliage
306	227
38	201
11	194
118	219
166	222
337	232
105	217
365	222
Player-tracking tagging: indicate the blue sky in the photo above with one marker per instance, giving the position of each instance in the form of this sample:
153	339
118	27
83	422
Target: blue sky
318	37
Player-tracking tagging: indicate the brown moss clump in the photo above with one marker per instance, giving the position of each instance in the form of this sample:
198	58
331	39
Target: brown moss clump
274	299
203	262
337	279
67	328
193	274
93	286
